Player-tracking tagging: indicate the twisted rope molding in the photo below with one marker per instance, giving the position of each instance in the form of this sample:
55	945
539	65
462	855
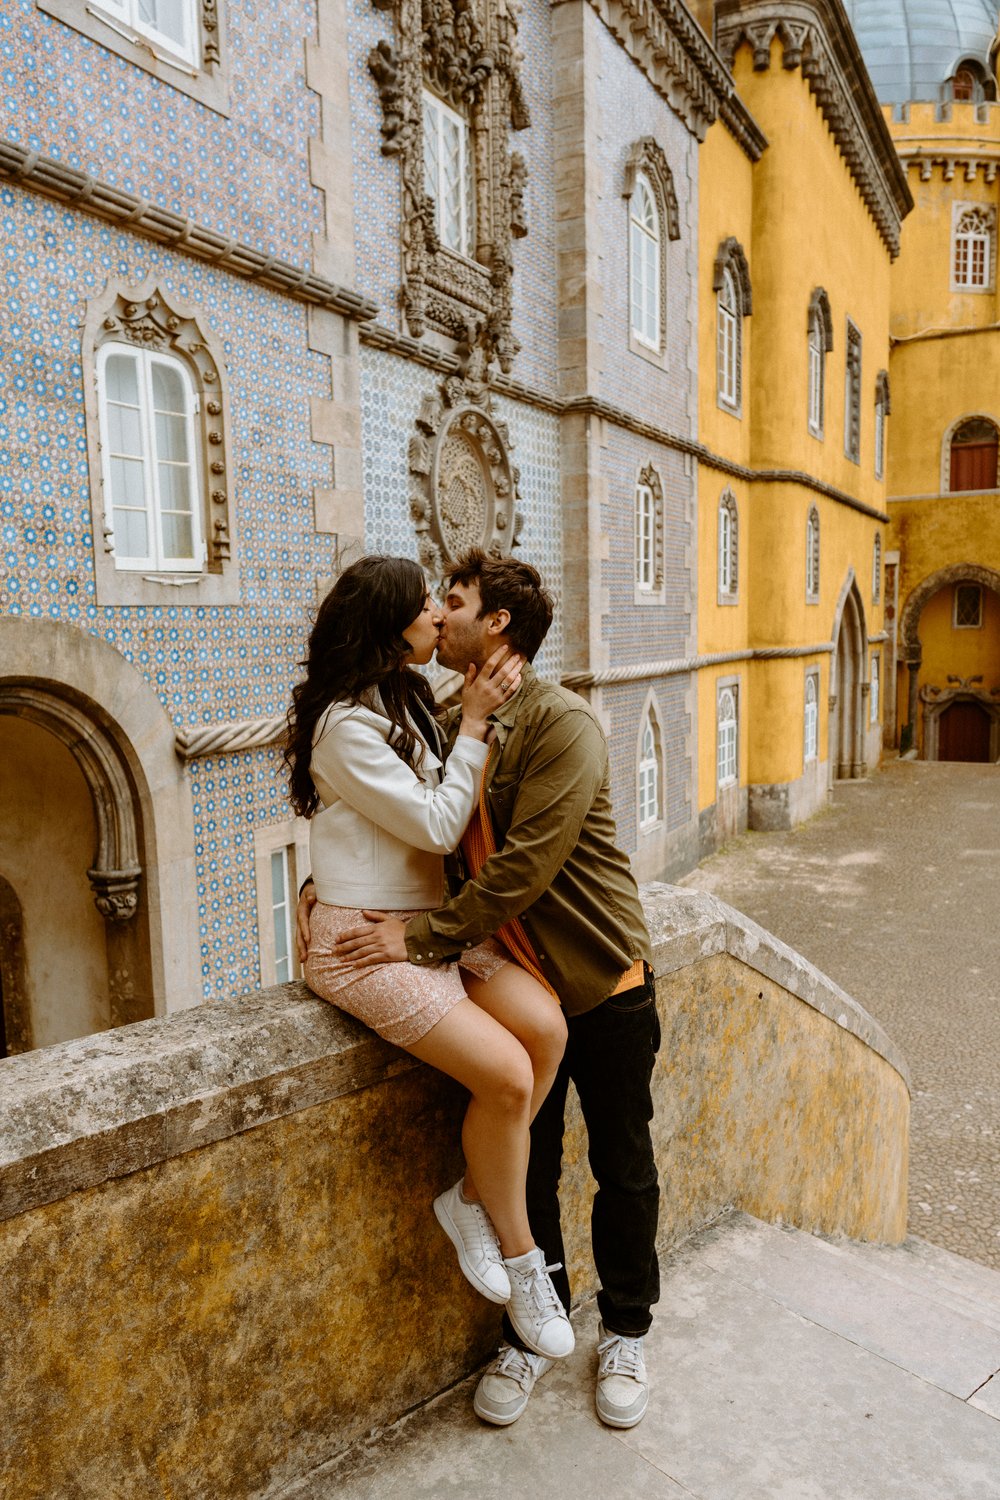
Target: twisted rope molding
253	734
83	190
221	739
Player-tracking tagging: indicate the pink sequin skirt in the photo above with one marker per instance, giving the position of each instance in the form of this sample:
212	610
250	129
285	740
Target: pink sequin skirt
400	1001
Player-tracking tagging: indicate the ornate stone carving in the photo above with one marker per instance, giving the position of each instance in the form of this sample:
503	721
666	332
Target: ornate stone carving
815	36
147	319
466	52
732	257
116	893
463	486
647	156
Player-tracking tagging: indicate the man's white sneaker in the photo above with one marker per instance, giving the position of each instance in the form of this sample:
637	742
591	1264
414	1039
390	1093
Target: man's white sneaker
502	1393
538	1316
471	1231
622	1388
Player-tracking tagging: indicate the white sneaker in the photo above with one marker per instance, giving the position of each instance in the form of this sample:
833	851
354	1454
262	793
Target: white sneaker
622	1388
534	1307
471	1231
502	1393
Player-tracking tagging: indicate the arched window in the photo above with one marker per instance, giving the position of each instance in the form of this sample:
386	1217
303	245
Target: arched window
648	536
449	179
812	556
728	737
731	282
644	262
819	343
877	569
728	548
874	690
882	409
649	771
973	455
152	487
653	220
811	727
970	83
972	247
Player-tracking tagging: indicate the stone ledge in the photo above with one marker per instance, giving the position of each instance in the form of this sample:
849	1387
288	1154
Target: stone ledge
104	1106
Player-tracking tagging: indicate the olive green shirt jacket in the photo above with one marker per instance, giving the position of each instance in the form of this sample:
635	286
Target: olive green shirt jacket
557	864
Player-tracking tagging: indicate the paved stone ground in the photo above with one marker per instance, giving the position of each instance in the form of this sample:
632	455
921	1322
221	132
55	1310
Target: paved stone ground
894	891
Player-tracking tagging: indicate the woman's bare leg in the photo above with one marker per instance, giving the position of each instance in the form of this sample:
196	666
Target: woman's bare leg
472	1047
527	1010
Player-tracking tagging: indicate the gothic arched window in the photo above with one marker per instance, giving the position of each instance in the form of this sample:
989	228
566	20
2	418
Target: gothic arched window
812	556
728	548
653	220
649	770
973	455
973	245
819	343
731	283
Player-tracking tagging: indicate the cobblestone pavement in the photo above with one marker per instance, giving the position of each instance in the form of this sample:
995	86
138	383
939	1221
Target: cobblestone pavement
894	891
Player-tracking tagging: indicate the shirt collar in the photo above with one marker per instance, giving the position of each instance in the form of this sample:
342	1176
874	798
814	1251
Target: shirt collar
505	716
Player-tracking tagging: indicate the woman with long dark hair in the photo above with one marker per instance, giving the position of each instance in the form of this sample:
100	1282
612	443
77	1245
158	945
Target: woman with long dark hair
364	754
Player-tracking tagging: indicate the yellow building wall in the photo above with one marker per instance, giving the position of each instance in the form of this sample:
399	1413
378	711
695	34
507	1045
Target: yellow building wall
802	224
943	533
921	276
934	384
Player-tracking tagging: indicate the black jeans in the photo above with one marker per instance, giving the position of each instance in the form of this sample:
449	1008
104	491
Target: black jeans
609	1056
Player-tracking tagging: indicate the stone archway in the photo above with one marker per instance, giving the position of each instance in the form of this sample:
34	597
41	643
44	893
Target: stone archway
848	686
103	713
909	649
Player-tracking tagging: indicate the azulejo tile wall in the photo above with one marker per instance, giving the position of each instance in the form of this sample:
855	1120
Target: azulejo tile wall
248	176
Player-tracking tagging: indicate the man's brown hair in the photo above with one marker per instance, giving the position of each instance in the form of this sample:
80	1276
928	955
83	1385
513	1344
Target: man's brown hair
507	583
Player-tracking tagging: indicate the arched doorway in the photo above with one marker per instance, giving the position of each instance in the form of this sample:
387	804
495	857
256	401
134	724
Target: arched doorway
949	645
97	880
847	757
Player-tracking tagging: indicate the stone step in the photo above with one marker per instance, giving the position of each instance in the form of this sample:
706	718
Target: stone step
947	1273
782	1367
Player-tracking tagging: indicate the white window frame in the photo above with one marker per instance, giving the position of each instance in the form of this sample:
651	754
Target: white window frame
812	556
817	374
728	549
727	733
289	839
810	729
874	688
440	112
648	809
973	247
645	538
156	560
640	237
729	351
128	14
966	625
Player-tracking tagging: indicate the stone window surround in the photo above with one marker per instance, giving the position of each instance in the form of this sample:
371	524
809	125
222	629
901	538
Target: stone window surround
877	568
730	595
642	596
731	257
811	675
813	555
819	318
291	834
647	159
218	583
209	84
852	393
874	687
988	211
651	713
883	406
946	441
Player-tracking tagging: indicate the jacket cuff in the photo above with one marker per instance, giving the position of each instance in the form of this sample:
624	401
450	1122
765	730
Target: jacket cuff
422	947
474	751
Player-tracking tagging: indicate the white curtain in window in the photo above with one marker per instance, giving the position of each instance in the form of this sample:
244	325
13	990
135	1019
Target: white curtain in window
727	737
812	719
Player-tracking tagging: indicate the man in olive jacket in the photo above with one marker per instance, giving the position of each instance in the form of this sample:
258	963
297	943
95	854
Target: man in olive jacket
557	867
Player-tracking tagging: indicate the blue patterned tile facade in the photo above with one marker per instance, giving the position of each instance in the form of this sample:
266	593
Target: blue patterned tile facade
247	176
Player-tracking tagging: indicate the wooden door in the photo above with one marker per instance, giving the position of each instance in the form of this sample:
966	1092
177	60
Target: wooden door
964	732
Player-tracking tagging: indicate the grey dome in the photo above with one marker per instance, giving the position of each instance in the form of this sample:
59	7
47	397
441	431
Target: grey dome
911	47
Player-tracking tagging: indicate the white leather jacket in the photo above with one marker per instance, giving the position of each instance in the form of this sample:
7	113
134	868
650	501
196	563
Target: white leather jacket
380	837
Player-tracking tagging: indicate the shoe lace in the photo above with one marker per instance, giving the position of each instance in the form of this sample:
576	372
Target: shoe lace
515	1364
541	1291
619	1355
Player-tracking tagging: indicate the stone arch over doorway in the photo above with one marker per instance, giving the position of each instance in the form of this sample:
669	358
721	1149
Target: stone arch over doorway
910	650
848	685
87	697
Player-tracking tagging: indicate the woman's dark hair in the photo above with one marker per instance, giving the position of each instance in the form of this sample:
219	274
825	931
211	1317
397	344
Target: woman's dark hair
357	643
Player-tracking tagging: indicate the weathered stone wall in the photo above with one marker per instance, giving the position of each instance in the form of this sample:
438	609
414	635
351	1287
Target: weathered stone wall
216	1245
